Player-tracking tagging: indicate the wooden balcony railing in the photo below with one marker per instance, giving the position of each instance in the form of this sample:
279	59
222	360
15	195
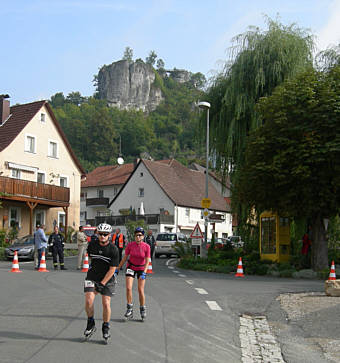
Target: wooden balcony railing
97	202
148	218
21	189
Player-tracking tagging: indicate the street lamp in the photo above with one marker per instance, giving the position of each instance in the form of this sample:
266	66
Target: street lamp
206	105
120	159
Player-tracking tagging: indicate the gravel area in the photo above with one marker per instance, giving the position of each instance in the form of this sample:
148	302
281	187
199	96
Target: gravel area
297	305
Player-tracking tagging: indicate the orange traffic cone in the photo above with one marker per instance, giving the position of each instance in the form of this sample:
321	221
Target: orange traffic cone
15	263
332	275
86	264
149	271
239	271
42	267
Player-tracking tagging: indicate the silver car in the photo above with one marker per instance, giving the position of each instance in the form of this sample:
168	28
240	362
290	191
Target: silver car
165	243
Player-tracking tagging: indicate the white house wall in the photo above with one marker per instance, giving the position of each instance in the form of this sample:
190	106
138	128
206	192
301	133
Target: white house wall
154	197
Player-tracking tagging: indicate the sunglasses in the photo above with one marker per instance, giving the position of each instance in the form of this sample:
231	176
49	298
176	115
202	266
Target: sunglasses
138	235
103	234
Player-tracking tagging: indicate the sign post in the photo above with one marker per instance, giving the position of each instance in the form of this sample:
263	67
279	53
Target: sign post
196	238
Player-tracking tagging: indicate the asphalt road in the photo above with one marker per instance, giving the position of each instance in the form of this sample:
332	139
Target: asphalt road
42	317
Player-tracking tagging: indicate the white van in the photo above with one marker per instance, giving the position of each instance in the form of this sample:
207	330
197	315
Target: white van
165	243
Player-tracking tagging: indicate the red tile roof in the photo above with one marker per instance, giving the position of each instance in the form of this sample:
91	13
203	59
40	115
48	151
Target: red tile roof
108	175
184	186
20	116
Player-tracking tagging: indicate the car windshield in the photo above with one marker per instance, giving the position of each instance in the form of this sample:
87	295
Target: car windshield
23	241
166	237
89	232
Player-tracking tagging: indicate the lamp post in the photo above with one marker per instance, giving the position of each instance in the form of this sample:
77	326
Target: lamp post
120	159
206	105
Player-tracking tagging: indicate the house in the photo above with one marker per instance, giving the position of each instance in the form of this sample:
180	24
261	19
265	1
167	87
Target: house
39	173
101	184
167	195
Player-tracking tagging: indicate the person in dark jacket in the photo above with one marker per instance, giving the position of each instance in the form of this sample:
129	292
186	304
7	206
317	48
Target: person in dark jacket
150	240
56	240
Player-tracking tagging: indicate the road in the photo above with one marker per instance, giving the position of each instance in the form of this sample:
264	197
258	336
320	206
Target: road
42	317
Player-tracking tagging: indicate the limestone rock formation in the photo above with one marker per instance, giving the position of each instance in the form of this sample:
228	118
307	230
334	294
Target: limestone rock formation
129	85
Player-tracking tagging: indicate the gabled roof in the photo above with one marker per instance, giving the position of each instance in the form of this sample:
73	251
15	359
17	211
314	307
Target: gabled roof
184	186
20	116
108	175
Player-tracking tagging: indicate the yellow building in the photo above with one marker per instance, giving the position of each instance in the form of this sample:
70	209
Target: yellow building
274	237
39	173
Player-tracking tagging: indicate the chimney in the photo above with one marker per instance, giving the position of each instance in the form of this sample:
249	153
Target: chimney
4	108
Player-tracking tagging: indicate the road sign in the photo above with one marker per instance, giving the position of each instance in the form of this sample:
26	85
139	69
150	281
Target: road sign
205	202
206	212
196	241
196	233
216	218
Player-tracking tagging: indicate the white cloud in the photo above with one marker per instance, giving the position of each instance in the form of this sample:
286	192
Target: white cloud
329	35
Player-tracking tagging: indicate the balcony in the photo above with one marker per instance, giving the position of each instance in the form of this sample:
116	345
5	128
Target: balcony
25	190
97	202
148	218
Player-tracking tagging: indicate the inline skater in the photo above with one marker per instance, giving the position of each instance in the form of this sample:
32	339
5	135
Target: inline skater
100	279
137	255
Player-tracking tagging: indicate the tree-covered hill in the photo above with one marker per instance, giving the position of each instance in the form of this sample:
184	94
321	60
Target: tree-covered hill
94	129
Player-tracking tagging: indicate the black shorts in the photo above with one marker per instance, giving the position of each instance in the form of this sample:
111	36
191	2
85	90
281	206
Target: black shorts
132	273
109	288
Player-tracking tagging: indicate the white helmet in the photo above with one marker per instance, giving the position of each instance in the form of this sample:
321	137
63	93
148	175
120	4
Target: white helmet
104	227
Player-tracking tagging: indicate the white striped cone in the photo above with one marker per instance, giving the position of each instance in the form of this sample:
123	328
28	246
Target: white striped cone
149	271
42	267
239	271
332	275
86	264
15	263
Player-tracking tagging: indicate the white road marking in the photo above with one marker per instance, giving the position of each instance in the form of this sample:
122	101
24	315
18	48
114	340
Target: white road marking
171	267
201	291
175	271
170	260
181	275
190	282
213	305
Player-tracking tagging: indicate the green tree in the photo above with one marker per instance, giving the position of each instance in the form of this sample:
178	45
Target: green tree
292	162
75	98
260	60
58	100
151	58
160	64
128	54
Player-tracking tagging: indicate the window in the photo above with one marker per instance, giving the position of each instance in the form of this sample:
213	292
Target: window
83	196
16	173
141	174
14	217
53	149
63	181
100	193
141	192
39	217
83	216
61	221
40	177
115	190
42	117
30	144
187	212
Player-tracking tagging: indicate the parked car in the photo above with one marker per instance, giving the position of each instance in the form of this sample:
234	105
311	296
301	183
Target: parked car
235	241
165	243
25	248
88	230
219	243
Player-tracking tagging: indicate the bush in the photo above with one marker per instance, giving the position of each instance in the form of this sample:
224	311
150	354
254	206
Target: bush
287	272
2	253
323	274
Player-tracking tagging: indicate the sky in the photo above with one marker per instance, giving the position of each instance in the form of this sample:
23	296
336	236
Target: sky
51	46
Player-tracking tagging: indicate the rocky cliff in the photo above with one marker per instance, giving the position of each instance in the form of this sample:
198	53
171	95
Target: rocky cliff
129	85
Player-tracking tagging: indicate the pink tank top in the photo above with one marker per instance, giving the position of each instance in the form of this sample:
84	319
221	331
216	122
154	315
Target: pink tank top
137	254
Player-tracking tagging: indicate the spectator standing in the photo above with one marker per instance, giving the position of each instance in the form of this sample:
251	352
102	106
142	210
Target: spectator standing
57	241
82	246
306	249
119	240
150	240
40	242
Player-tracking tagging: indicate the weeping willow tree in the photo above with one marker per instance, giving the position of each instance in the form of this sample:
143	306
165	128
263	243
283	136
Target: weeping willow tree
259	60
